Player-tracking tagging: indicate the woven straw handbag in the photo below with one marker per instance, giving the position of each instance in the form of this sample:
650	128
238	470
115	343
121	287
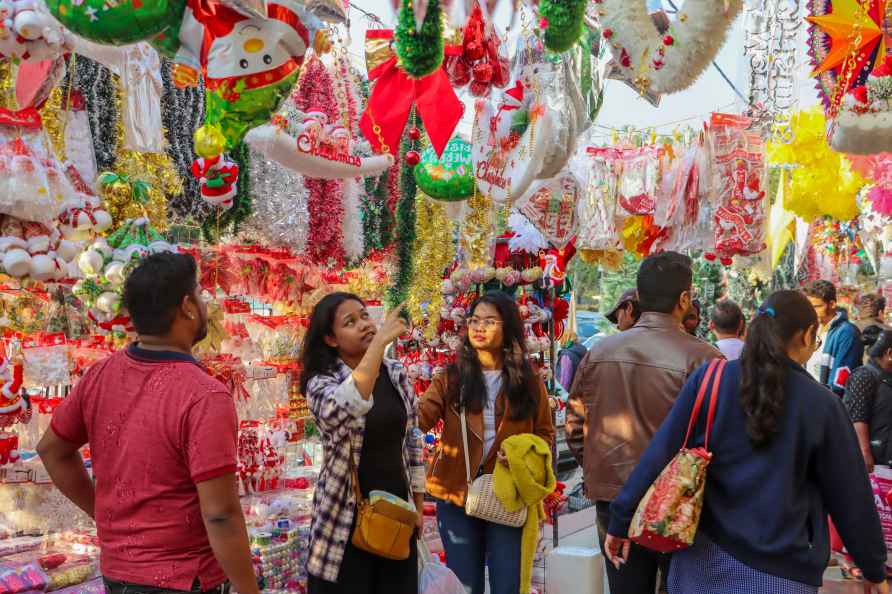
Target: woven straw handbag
481	502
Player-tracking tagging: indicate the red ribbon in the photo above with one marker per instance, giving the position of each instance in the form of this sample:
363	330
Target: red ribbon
395	93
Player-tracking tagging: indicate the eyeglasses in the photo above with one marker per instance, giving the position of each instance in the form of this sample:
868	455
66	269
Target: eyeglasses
485	323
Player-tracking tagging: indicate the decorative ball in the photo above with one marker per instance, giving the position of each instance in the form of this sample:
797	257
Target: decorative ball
413	158
543	23
474	51
209	142
482	72
449	177
414	133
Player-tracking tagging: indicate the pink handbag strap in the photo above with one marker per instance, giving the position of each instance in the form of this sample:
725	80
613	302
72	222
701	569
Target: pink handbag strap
713	373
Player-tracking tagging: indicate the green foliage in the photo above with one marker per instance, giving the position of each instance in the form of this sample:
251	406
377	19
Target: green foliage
405	221
565	23
420	52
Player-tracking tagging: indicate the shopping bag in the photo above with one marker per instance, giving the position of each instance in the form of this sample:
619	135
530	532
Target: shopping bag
667	517
434	577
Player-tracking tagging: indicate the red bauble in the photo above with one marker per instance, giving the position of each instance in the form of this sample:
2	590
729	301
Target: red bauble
543	23
482	72
726	260
709	257
501	73
459	71
474	51
668	40
414	133
607	33
413	158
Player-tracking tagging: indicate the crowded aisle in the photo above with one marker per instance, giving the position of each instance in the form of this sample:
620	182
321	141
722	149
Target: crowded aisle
445	296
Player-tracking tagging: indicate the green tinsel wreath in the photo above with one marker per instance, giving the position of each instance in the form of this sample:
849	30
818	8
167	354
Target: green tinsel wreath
565	23
420	52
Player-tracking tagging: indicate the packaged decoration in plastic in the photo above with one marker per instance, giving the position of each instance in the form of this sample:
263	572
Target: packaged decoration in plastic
738	163
640	178
685	205
46	360
598	202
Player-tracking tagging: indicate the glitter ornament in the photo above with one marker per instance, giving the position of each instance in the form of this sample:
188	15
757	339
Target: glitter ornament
413	158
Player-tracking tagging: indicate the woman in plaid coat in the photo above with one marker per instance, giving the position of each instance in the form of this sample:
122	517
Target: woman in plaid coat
364	408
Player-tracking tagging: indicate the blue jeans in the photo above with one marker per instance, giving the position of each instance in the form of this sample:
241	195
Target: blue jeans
471	544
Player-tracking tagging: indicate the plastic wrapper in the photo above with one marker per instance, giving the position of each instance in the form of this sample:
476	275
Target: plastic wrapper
598	205
434	577
640	178
738	170
22	578
46	362
685	204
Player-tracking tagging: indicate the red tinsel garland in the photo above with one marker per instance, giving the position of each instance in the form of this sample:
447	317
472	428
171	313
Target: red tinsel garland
326	200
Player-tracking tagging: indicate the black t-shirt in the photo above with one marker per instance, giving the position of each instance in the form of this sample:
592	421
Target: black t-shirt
381	462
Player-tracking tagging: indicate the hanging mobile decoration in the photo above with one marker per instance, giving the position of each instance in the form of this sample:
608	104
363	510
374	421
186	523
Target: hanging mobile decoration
419	49
772	31
562	21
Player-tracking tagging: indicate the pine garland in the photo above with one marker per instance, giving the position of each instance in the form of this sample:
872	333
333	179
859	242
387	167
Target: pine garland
405	222
96	84
420	52
564	23
377	219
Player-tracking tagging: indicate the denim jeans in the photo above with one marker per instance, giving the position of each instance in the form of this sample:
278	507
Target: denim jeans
471	544
113	587
644	572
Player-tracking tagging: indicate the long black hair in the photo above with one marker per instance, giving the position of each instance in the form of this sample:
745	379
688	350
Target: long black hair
764	361
317	357
466	375
877	340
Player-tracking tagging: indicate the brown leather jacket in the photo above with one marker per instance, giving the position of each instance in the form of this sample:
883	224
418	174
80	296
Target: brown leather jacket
623	390
446	477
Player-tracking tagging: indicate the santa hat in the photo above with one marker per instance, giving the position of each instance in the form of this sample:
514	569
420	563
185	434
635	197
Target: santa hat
514	96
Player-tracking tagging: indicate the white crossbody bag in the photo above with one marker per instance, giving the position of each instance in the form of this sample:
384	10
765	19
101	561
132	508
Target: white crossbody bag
481	502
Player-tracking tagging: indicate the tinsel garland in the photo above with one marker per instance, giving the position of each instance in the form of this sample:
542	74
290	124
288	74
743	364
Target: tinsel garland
563	23
68	131
7	84
377	218
393	187
182	111
434	252
477	231
326	207
419	52
96	84
220	223
280	198
354	244
153	168
405	219
53	120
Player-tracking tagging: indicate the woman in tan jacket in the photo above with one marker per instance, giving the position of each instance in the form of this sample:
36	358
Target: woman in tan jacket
494	383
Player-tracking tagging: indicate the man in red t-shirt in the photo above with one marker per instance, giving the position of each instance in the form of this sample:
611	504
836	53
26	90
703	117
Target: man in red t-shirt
162	435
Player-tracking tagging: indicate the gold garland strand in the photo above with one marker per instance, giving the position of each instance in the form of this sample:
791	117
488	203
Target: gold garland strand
51	115
476	230
434	252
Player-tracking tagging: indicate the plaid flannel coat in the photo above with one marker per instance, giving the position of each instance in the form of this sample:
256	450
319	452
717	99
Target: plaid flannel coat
340	414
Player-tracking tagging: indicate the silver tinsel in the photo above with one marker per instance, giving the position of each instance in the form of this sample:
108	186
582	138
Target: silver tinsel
280	197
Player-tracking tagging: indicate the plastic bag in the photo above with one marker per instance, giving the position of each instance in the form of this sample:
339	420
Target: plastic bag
435	578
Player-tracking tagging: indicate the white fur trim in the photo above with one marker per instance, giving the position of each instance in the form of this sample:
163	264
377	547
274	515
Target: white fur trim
697	39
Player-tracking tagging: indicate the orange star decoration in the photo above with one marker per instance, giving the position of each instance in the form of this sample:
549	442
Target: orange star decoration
855	31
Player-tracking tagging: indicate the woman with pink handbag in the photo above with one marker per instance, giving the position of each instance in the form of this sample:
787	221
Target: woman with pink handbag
782	456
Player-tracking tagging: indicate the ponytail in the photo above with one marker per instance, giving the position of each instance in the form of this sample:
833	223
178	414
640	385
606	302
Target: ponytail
764	361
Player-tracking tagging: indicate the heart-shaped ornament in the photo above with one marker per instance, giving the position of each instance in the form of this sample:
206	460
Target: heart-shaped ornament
665	63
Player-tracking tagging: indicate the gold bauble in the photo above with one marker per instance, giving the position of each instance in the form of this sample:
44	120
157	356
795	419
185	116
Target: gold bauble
209	141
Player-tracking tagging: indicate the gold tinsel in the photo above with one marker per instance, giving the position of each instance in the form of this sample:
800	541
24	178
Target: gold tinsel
8	72
477	231
53	118
156	169
433	254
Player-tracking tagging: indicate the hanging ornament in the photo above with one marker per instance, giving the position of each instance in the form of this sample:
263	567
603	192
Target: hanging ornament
562	21
450	177
419	47
396	93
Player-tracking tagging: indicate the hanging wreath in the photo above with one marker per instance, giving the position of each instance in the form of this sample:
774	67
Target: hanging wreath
419	49
669	63
563	23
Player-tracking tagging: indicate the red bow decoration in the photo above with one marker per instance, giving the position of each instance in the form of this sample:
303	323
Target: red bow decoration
395	93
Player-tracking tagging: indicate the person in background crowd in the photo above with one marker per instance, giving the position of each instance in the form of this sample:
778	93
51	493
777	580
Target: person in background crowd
626	312
872	312
868	398
840	351
784	456
568	361
624	388
493	382
364	408
691	321
726	322
163	441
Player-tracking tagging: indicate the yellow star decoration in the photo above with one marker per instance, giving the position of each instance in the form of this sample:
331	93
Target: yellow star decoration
851	30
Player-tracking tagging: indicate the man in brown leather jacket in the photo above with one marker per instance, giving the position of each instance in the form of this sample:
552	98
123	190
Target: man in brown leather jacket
624	389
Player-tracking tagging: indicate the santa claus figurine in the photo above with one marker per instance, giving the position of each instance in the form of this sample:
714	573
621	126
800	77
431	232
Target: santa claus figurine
12	401
218	178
